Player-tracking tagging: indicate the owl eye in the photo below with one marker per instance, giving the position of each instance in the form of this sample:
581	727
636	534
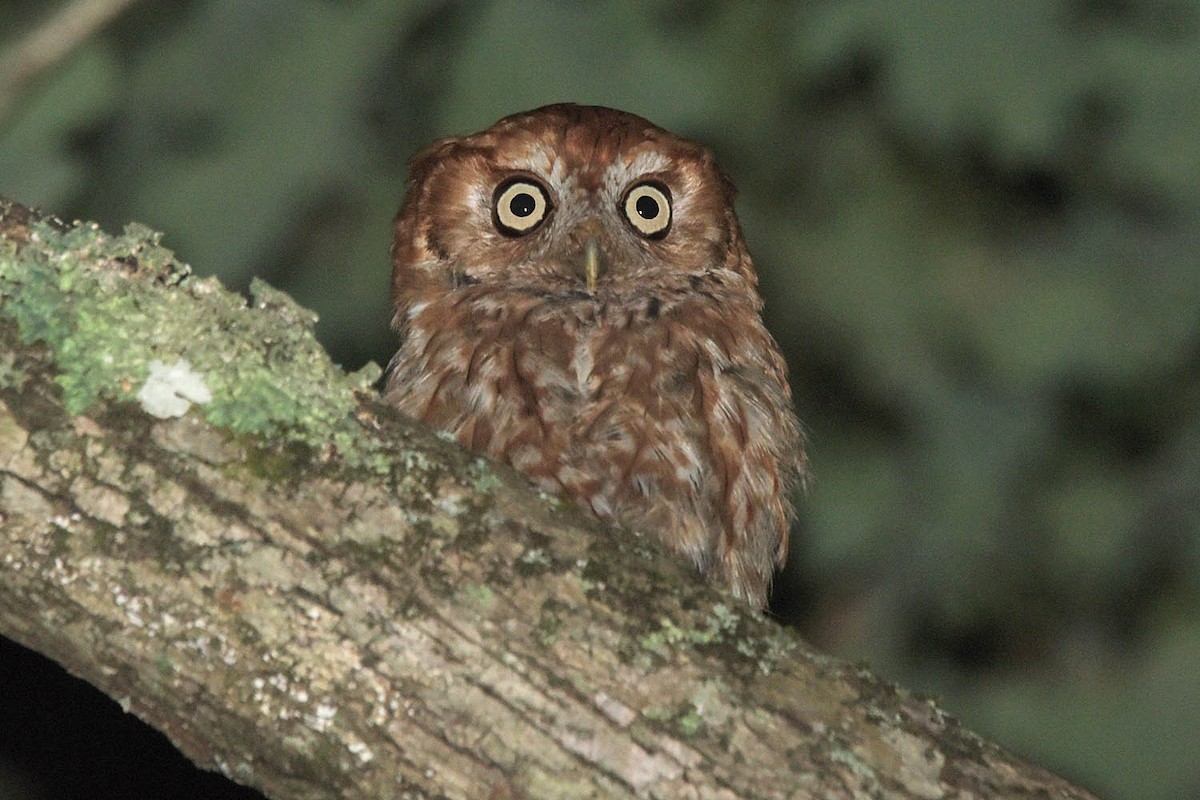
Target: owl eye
648	209
519	206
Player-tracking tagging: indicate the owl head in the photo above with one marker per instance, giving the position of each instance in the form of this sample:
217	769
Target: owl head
577	200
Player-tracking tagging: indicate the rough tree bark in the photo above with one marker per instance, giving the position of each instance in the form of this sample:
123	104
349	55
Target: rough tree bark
320	600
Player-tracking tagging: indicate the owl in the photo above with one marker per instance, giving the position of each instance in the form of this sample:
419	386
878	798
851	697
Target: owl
574	298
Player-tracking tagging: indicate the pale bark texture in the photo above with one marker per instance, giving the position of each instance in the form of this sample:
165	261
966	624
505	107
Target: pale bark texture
321	600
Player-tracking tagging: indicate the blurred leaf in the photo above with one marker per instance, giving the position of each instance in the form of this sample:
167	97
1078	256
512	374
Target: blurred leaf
238	120
1127	730
37	162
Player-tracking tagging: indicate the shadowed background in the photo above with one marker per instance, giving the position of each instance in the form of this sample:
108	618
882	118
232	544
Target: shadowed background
978	230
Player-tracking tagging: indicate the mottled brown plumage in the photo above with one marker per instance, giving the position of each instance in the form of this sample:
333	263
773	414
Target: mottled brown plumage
574	298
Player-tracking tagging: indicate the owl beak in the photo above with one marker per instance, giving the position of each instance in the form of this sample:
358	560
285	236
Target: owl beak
591	263
588	236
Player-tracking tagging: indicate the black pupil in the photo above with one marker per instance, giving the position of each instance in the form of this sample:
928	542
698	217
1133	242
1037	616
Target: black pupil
522	205
647	207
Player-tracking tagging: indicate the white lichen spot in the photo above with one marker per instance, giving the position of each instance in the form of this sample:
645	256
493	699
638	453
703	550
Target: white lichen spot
535	556
453	505
322	718
171	389
67	578
134	608
361	752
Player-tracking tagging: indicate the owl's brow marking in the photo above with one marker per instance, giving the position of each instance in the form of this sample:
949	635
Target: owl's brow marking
622	172
542	162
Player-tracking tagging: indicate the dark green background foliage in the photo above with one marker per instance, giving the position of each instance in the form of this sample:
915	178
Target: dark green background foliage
977	228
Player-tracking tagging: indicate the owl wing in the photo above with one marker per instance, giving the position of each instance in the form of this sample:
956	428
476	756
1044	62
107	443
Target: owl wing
756	447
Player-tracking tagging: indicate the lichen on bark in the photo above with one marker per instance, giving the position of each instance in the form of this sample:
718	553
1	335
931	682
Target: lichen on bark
98	302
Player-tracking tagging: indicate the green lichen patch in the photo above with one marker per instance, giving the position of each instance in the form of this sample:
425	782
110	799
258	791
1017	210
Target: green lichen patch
684	715
110	307
717	626
484	477
479	595
689	723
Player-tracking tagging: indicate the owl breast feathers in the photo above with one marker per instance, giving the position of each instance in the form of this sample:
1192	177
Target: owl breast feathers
574	298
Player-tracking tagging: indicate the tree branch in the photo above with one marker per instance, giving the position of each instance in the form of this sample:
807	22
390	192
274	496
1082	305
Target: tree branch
49	44
322	600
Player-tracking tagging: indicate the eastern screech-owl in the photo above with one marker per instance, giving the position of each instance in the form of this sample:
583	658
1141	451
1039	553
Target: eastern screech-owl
574	298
